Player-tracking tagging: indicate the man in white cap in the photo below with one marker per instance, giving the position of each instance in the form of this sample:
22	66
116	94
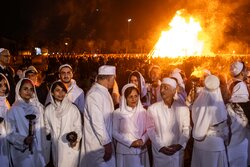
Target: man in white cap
97	145
75	94
168	127
238	88
4	69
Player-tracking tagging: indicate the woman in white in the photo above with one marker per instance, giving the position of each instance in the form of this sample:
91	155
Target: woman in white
210	129
136	78
63	125
4	107
28	145
129	129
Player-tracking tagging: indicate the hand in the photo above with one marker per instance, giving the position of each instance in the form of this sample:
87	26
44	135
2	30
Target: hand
71	137
28	140
137	143
167	151
176	147
108	152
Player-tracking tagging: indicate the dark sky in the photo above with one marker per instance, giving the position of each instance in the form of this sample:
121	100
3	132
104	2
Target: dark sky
107	19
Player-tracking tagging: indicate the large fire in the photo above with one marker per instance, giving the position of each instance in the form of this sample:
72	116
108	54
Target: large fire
182	39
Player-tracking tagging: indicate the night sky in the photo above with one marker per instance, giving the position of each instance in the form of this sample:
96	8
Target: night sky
50	20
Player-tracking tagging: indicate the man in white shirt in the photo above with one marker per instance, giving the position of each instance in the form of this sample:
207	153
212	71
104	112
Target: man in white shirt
97	145
75	94
168	127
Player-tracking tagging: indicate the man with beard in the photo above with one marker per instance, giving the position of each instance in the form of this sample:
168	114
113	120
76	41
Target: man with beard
74	94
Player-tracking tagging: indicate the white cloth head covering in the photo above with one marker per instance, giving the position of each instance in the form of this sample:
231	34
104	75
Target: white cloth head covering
236	68
212	82
60	108
176	74
4	51
170	82
4	104
7	82
142	83
34	106
209	106
134	116
31	69
64	65
106	70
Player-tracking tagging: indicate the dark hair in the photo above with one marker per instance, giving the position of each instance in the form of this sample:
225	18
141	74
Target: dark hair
60	84
137	75
25	80
7	88
129	90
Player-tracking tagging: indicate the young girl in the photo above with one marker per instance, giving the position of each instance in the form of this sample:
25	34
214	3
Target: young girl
63	124
27	137
4	107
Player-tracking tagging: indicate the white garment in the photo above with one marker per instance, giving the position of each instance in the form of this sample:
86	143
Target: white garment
237	149
60	119
240	93
209	116
18	130
97	130
167	126
130	125
4	145
74	94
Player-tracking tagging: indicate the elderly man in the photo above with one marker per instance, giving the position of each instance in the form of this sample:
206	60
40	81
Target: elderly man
97	145
4	68
168	127
74	94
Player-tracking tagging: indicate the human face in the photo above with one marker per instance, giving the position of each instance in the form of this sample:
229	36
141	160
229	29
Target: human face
111	82
26	91
32	77
3	87
66	75
155	74
132	99
167	91
134	80
58	93
5	59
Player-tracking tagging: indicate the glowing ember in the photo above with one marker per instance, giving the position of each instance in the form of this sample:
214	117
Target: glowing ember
180	40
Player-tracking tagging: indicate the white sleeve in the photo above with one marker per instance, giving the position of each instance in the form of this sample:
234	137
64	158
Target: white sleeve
94	111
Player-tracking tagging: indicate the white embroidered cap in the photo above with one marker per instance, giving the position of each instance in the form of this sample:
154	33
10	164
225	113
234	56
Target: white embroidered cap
106	70
64	65
169	81
236	68
212	82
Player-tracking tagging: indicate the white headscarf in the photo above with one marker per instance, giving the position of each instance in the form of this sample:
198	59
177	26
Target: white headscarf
34	106
142	83
4	104
60	108
210	106
136	126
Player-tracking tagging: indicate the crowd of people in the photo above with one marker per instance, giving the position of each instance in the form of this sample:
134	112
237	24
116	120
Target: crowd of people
125	112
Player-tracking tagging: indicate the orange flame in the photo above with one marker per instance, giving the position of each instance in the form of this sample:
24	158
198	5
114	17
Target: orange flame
180	40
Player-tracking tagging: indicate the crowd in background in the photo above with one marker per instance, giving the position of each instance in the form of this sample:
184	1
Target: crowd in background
209	95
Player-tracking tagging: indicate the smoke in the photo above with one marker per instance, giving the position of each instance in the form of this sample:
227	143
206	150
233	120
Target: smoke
224	23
